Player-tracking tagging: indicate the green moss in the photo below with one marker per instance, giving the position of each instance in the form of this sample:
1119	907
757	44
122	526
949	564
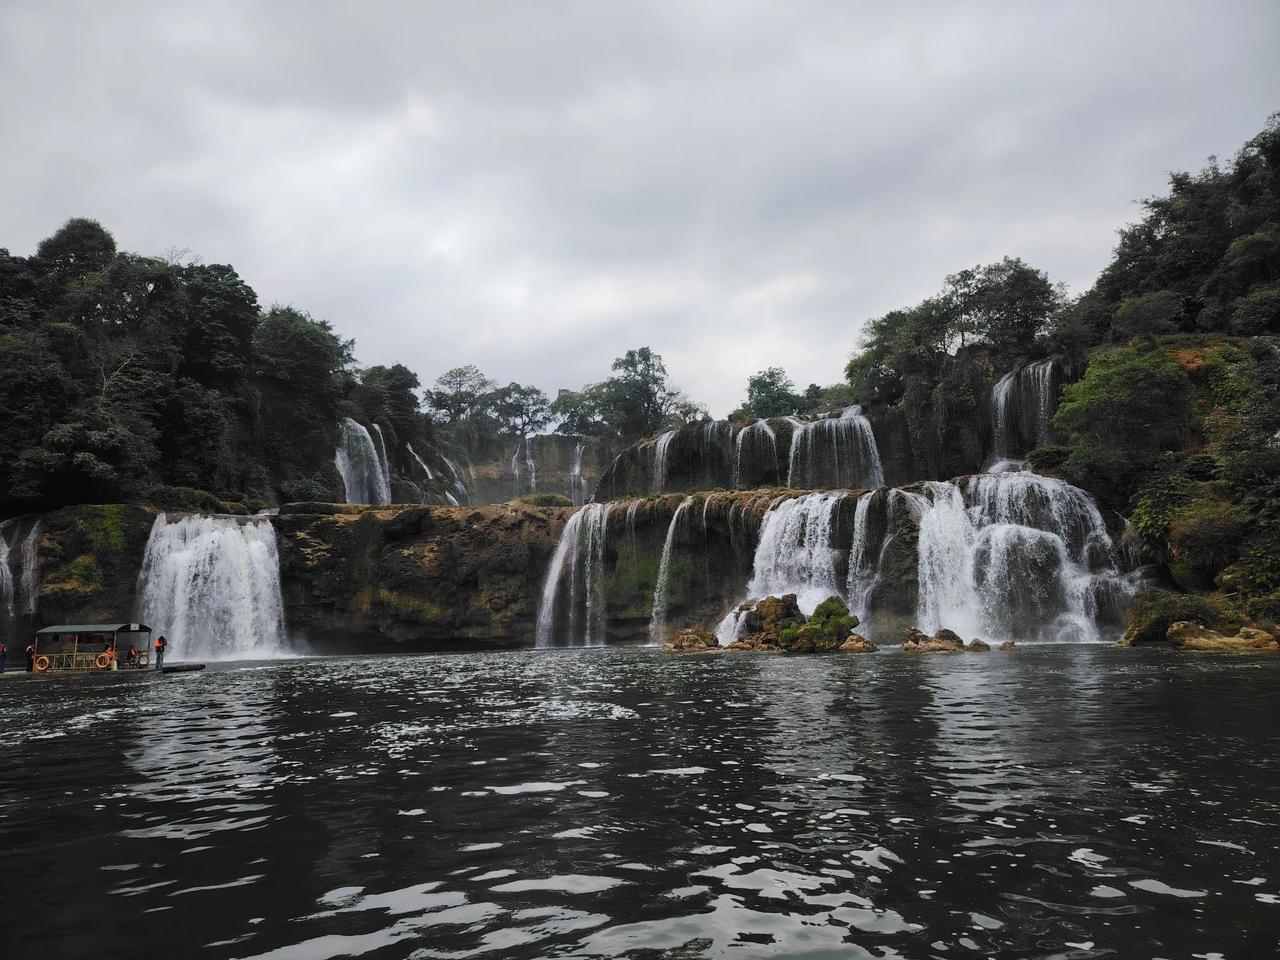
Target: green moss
104	527
410	605
1205	536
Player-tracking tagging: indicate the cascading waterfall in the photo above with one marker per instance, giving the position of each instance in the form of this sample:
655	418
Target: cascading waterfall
862	568
577	483
1022	406
29	564
582	547
835	452
524	469
420	462
753	441
1012	556
363	476
1016	556
660	461
794	554
6	574
381	444
460	492
211	584
658	618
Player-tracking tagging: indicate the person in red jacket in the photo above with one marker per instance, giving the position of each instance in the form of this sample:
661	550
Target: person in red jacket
161	645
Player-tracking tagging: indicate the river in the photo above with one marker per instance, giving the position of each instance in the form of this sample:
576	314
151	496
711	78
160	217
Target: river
1069	802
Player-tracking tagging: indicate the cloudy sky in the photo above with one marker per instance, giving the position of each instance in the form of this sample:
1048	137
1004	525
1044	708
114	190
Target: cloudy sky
536	186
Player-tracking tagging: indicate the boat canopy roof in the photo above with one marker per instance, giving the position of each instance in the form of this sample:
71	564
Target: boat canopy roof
65	628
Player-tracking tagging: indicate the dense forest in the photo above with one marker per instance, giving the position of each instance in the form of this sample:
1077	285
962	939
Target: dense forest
140	378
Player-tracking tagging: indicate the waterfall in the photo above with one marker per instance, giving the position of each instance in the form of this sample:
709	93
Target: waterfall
582	546
363	476
523	467
794	553
1016	556
1022	406
660	461
658	617
381	445
751	443
835	452
861	575
212	586
6	574
578	485
420	462
460	492
29	563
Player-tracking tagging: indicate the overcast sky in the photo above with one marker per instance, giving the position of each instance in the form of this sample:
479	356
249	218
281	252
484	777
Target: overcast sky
534	187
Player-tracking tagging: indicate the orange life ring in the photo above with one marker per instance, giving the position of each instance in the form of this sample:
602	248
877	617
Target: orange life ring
101	661
41	664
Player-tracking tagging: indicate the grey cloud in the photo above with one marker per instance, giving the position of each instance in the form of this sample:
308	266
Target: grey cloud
537	187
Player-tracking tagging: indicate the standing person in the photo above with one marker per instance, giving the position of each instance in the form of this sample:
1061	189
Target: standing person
4	655
161	645
31	657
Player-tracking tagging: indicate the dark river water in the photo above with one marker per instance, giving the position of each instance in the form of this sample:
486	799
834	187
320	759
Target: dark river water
1056	802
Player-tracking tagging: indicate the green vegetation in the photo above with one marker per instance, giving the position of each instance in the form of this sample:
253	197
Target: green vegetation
1173	416
138	379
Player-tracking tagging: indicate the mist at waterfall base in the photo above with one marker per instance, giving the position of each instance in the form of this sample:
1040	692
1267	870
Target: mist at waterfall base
1069	801
211	585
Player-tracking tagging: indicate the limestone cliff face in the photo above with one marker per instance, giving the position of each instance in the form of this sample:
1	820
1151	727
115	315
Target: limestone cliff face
354	578
415	577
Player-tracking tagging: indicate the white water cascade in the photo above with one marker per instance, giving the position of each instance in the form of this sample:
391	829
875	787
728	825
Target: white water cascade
211	585
381	444
524	469
363	475
577	484
1016	556
6	573
1022	405
754	440
460	493
581	546
29	564
658	617
794	554
660	461
835	452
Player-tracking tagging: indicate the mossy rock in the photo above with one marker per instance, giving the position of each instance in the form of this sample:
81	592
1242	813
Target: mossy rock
1155	611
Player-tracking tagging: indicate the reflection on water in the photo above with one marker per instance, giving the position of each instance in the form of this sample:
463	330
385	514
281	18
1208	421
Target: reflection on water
1071	802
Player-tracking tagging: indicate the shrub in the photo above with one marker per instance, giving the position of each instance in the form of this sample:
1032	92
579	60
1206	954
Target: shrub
1205	536
1154	611
1049	457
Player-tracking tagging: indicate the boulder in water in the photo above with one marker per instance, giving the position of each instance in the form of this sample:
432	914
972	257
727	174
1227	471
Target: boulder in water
944	641
1188	635
692	639
1008	646
978	646
858	644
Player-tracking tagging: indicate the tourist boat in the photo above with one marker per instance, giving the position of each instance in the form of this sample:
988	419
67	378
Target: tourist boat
78	647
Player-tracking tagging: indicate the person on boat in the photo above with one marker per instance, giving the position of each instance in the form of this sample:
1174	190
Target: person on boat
161	645
4	655
31	658
131	658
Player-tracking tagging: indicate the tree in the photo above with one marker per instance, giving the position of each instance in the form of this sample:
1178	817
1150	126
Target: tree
770	393
458	392
79	247
521	410
638	400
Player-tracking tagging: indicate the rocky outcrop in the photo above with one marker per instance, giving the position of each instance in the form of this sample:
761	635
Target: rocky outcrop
691	640
420	577
1187	635
87	562
858	644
